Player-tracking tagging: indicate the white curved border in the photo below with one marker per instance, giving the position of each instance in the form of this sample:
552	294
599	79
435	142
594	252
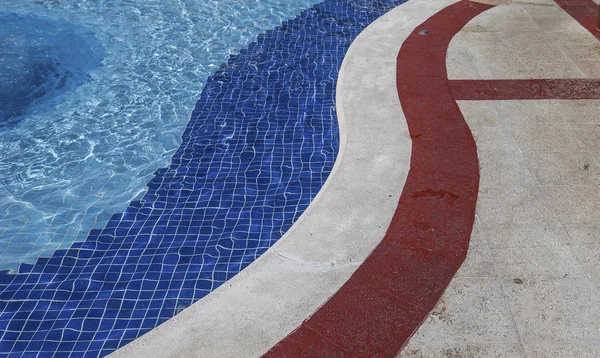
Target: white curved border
265	302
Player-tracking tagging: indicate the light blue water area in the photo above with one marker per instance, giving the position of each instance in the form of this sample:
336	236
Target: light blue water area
40	60
86	143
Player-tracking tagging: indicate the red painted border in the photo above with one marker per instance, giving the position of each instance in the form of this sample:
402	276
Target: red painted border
584	11
388	297
586	88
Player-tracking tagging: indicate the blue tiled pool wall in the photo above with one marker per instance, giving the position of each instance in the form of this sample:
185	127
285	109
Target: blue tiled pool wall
259	145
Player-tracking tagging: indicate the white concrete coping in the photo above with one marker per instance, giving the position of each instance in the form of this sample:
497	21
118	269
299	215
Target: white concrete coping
265	302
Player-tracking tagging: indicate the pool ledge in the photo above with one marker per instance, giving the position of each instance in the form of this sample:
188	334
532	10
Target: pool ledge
348	218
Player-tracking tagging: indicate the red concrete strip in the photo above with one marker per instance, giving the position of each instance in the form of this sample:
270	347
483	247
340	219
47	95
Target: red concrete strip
364	321
306	342
584	11
388	297
525	89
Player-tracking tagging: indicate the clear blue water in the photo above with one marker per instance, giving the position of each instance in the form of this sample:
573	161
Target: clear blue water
40	60
74	155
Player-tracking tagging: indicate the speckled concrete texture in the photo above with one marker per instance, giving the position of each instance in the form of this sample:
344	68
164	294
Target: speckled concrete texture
528	287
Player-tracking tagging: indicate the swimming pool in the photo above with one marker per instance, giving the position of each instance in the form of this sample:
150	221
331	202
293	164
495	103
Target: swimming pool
70	164
115	219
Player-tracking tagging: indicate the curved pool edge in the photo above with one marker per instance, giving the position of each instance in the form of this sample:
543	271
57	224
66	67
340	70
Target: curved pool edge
344	223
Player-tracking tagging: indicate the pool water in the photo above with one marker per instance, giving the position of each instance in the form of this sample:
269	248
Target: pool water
69	164
40	60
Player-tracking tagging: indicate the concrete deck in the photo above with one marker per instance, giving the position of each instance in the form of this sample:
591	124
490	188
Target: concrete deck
529	286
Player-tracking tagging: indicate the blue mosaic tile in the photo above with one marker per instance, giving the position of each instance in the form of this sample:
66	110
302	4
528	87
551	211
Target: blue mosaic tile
259	145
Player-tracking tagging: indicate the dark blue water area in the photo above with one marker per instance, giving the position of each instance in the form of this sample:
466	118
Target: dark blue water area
259	145
40	60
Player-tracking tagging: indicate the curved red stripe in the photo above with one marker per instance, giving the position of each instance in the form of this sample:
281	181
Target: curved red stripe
391	293
584	11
